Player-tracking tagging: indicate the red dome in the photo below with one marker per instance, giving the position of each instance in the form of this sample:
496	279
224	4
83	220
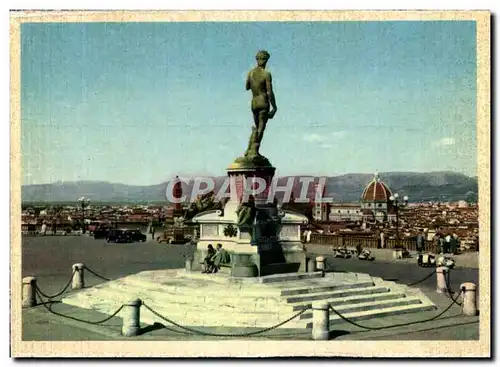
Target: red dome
376	191
177	189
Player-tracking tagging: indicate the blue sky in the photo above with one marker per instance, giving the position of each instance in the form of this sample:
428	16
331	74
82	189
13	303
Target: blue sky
137	103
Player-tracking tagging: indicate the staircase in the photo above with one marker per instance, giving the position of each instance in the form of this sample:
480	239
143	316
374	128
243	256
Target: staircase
216	300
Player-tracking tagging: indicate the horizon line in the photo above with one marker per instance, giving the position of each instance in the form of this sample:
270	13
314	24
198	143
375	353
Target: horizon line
286	175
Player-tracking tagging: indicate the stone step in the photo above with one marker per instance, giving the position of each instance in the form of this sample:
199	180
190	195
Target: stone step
372	305
289	277
188	316
220	319
249	299
195	299
121	294
202	289
352	300
335	294
274	278
323	288
279	268
366	315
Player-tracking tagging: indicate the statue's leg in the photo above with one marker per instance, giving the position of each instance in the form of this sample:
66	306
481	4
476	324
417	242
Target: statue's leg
261	127
253	136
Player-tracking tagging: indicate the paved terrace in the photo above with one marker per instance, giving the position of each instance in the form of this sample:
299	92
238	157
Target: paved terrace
50	259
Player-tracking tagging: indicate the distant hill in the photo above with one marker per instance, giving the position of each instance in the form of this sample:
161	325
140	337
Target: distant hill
435	186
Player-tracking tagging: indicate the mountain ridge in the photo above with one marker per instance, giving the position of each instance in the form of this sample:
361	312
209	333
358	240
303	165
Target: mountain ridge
419	186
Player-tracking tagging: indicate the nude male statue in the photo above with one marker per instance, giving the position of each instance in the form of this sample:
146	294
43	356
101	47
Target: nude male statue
259	80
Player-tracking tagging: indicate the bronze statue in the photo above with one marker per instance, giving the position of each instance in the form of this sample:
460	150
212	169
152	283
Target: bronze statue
203	203
246	213
259	80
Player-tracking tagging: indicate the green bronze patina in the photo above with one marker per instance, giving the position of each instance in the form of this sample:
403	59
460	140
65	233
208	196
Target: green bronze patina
246	214
203	203
250	162
259	81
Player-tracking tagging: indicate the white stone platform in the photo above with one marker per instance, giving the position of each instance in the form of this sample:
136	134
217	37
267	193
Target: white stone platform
196	299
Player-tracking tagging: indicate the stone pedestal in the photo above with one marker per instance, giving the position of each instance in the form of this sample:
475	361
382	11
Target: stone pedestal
269	243
469	301
441	279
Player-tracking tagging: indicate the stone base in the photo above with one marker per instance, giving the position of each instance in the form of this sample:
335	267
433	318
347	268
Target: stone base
244	264
267	239
218	300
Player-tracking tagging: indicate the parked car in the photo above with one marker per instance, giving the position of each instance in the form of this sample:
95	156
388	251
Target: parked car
125	236
136	235
101	232
174	236
118	236
93	226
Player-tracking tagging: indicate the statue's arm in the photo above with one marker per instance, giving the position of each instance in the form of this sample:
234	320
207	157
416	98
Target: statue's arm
270	93
248	82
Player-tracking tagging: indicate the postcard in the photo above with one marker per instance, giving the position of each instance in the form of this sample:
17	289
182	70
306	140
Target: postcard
250	184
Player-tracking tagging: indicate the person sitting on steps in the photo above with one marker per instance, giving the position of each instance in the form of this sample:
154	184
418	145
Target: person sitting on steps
220	257
208	262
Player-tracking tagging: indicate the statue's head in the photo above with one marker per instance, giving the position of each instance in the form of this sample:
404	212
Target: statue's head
262	57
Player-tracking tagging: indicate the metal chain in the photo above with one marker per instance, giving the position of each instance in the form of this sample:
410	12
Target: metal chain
41	301
450	292
424	279
69	283
61	292
49	308
396	325
229	335
97	275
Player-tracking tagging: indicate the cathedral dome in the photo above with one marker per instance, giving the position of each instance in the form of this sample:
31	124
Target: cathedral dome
376	190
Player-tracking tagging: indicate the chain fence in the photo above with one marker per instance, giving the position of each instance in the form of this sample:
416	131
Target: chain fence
59	293
49	302
65	288
48	307
423	279
450	292
96	274
395	325
199	332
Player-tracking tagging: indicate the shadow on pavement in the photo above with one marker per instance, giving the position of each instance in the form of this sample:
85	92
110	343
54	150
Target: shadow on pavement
150	328
337	333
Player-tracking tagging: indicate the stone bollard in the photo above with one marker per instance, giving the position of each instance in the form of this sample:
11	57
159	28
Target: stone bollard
29	292
469	304
311	266
78	281
189	264
131	318
442	279
397	254
321	320
320	263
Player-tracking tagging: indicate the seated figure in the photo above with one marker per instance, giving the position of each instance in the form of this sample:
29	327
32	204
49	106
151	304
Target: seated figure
221	257
208	263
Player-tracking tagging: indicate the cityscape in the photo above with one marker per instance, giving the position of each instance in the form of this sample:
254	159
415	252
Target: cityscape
364	218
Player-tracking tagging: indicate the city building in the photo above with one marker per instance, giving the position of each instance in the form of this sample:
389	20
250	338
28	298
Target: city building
374	206
345	212
375	202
